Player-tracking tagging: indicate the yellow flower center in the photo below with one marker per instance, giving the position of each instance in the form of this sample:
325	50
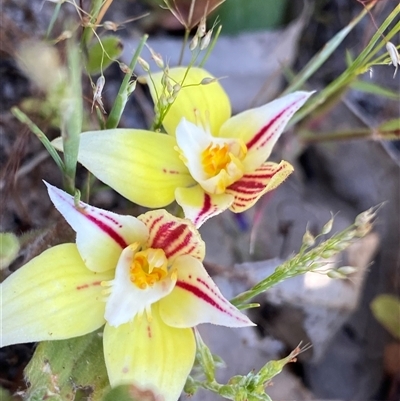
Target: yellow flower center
148	267
222	165
215	158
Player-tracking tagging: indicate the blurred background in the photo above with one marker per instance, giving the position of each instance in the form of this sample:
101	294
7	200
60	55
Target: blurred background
341	167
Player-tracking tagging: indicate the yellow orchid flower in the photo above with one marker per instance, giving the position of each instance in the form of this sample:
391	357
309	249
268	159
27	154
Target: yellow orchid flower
141	277
208	161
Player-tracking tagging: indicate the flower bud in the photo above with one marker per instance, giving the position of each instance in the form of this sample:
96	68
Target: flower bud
110	26
193	43
328	253
163	101
208	80
308	239
176	88
364	217
131	87
346	270
124	68
144	64
394	56
336	274
157	58
206	40
201	29
328	226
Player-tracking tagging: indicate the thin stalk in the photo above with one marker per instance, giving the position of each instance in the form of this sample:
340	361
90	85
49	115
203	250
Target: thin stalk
315	63
184	44
24	119
53	19
72	116
88	30
122	96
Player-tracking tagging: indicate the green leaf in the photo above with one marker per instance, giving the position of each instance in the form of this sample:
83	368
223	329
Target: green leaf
71	369
250	15
386	309
369	87
103	53
9	248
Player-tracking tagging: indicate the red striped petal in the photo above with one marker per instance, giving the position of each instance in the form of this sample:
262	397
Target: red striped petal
199	205
173	235
100	235
261	127
196	299
253	185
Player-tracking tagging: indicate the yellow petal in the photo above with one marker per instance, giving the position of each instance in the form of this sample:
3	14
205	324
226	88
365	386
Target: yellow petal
207	105
199	206
253	185
142	166
150	355
52	297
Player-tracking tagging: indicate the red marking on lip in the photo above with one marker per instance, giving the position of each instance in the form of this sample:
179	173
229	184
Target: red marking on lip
149	334
154	222
81	287
180	244
164	170
207	207
84	286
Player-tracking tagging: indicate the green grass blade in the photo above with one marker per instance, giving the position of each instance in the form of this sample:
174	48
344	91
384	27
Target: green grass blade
315	63
24	119
122	96
72	115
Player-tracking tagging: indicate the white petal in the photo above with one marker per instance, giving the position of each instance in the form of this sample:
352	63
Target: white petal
196	299
126	299
101	235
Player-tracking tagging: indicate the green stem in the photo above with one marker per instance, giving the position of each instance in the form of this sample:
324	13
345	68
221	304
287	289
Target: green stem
122	96
184	43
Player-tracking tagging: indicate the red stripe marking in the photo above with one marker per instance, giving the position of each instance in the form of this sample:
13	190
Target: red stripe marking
264	129
206	207
161	236
206	298
212	290
153	223
200	294
84	286
108	230
181	245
